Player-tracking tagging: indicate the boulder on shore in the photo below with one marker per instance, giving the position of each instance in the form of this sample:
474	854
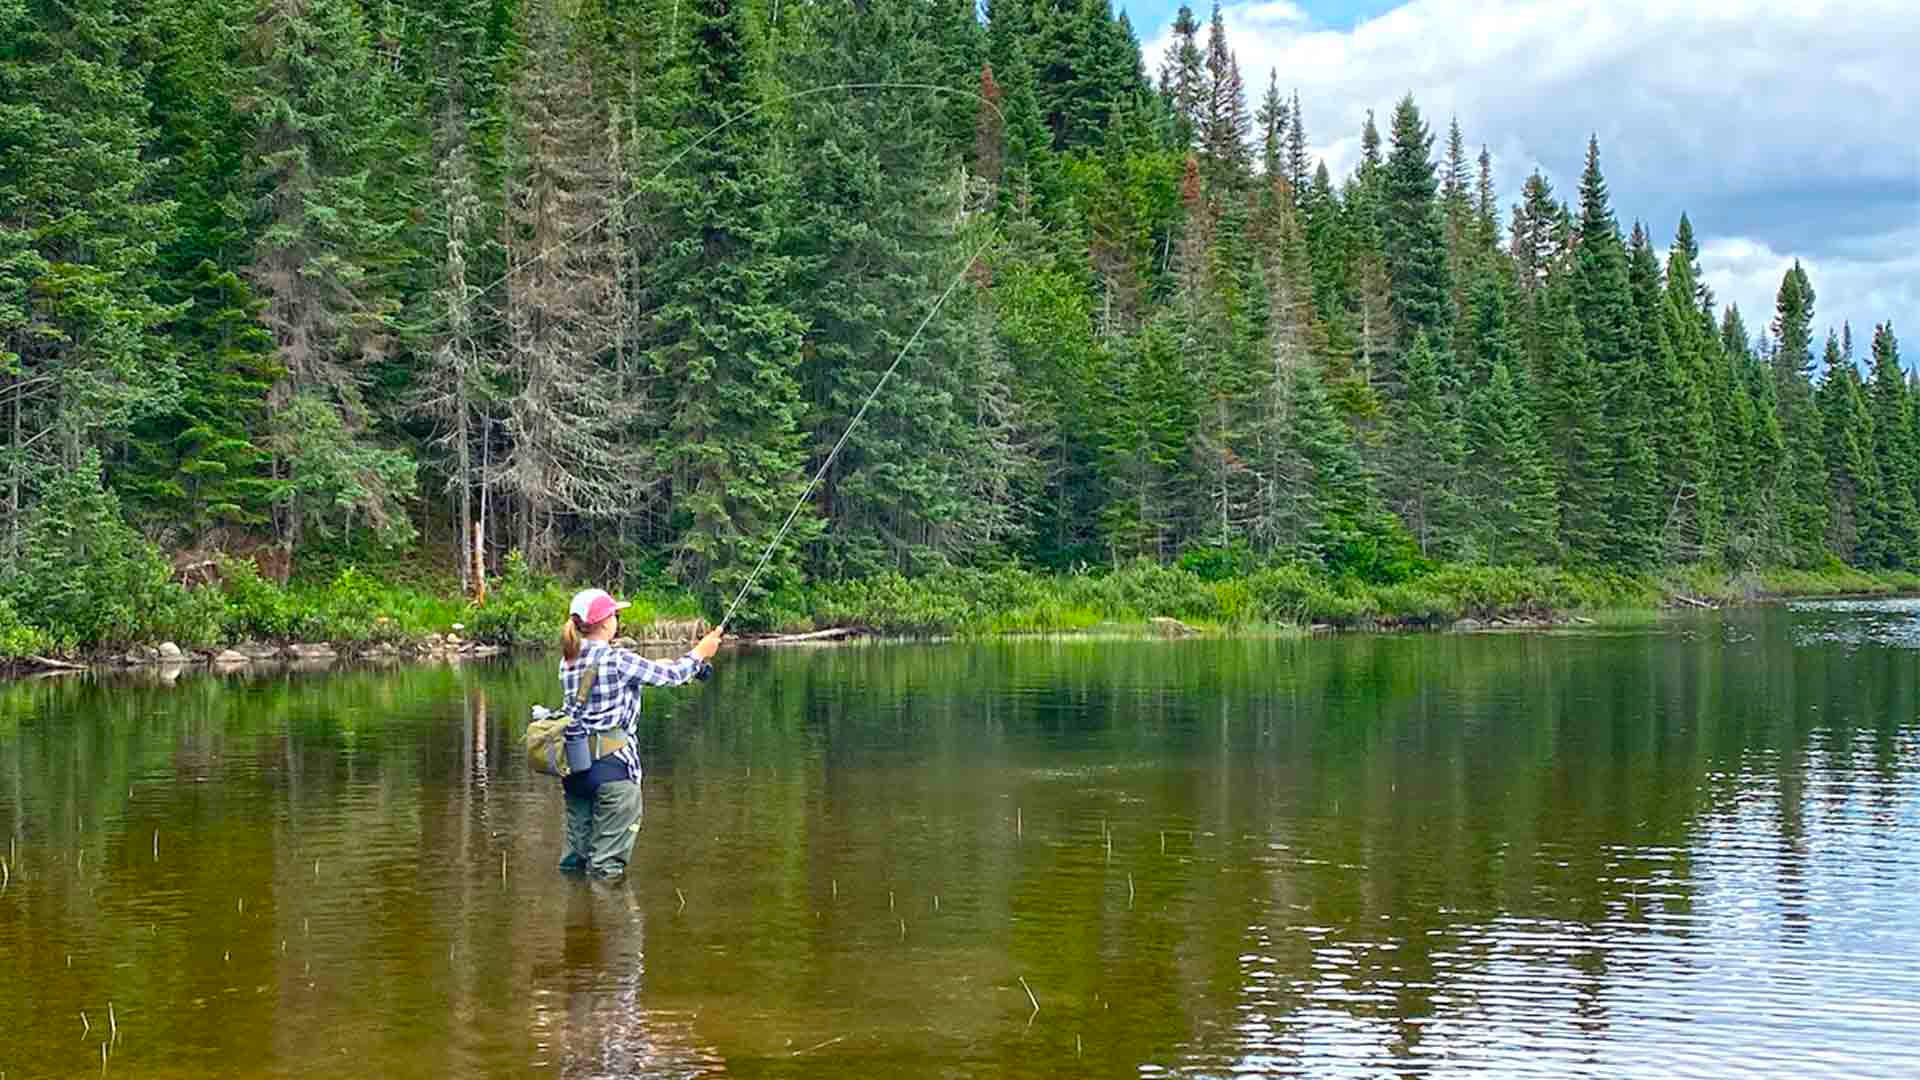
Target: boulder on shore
1171	627
311	652
170	653
232	656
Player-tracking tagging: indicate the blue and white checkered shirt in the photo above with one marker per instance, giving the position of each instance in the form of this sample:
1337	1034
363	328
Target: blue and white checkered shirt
613	701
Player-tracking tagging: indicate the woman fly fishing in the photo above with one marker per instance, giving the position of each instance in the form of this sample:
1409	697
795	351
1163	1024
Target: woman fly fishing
602	685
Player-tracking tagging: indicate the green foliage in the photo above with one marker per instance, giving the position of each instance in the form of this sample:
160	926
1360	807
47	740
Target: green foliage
522	607
20	639
87	577
242	255
1413	231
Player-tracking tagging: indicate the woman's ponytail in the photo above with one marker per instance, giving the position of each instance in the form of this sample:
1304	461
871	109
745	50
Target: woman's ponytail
570	639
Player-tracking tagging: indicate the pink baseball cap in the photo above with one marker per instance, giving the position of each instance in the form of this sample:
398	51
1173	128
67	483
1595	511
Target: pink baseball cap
592	606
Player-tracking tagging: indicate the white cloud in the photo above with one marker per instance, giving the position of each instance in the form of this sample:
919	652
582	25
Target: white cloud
1861	289
1789	126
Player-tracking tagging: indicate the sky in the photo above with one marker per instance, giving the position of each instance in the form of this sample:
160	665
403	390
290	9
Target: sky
1784	128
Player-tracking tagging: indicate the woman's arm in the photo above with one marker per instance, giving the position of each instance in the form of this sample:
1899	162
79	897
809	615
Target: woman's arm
671	672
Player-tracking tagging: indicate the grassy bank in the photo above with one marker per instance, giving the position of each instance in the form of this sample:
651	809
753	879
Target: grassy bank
1014	601
353	611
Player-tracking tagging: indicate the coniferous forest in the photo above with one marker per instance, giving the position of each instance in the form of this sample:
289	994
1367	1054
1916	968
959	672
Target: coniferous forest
336	283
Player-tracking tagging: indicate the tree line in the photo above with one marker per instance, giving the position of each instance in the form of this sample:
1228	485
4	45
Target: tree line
607	279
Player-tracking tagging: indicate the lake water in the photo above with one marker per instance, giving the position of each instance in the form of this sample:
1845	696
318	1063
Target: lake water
1691	849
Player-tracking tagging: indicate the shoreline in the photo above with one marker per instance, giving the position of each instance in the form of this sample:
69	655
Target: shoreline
452	647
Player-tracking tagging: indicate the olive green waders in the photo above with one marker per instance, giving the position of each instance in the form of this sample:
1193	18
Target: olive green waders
602	827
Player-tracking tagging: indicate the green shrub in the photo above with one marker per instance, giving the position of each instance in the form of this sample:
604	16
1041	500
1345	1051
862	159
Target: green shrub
87	576
18	639
522	607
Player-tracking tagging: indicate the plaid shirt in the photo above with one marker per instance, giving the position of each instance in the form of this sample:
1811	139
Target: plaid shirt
613	701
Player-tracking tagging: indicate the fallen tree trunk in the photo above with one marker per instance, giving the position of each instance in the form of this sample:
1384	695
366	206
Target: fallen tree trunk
838	633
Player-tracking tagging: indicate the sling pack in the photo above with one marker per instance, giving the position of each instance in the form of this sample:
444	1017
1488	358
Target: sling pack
549	750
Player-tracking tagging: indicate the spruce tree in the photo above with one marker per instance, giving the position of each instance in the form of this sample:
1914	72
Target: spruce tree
733	452
1582	447
1486	210
1702	427
79	233
331	157
204	463
1456	206
1535	248
1272	119
1148	415
1856	514
1413	231
1510	495
1422	485
1687	504
872	254
1895	455
1802	504
565	407
1312	484
1299	165
1224	126
1604	300
1183	78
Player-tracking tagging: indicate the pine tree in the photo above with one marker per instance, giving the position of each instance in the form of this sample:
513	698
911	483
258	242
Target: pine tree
868	268
1413	231
1224	127
1183	78
565	409
79	230
728	345
1299	166
1423	484
1582	447
1509	486
1273	122
1804	477
1856	515
1536	250
1895	456
329	152
1686	501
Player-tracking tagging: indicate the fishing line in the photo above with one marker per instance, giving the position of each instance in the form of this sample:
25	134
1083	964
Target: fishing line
855	422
